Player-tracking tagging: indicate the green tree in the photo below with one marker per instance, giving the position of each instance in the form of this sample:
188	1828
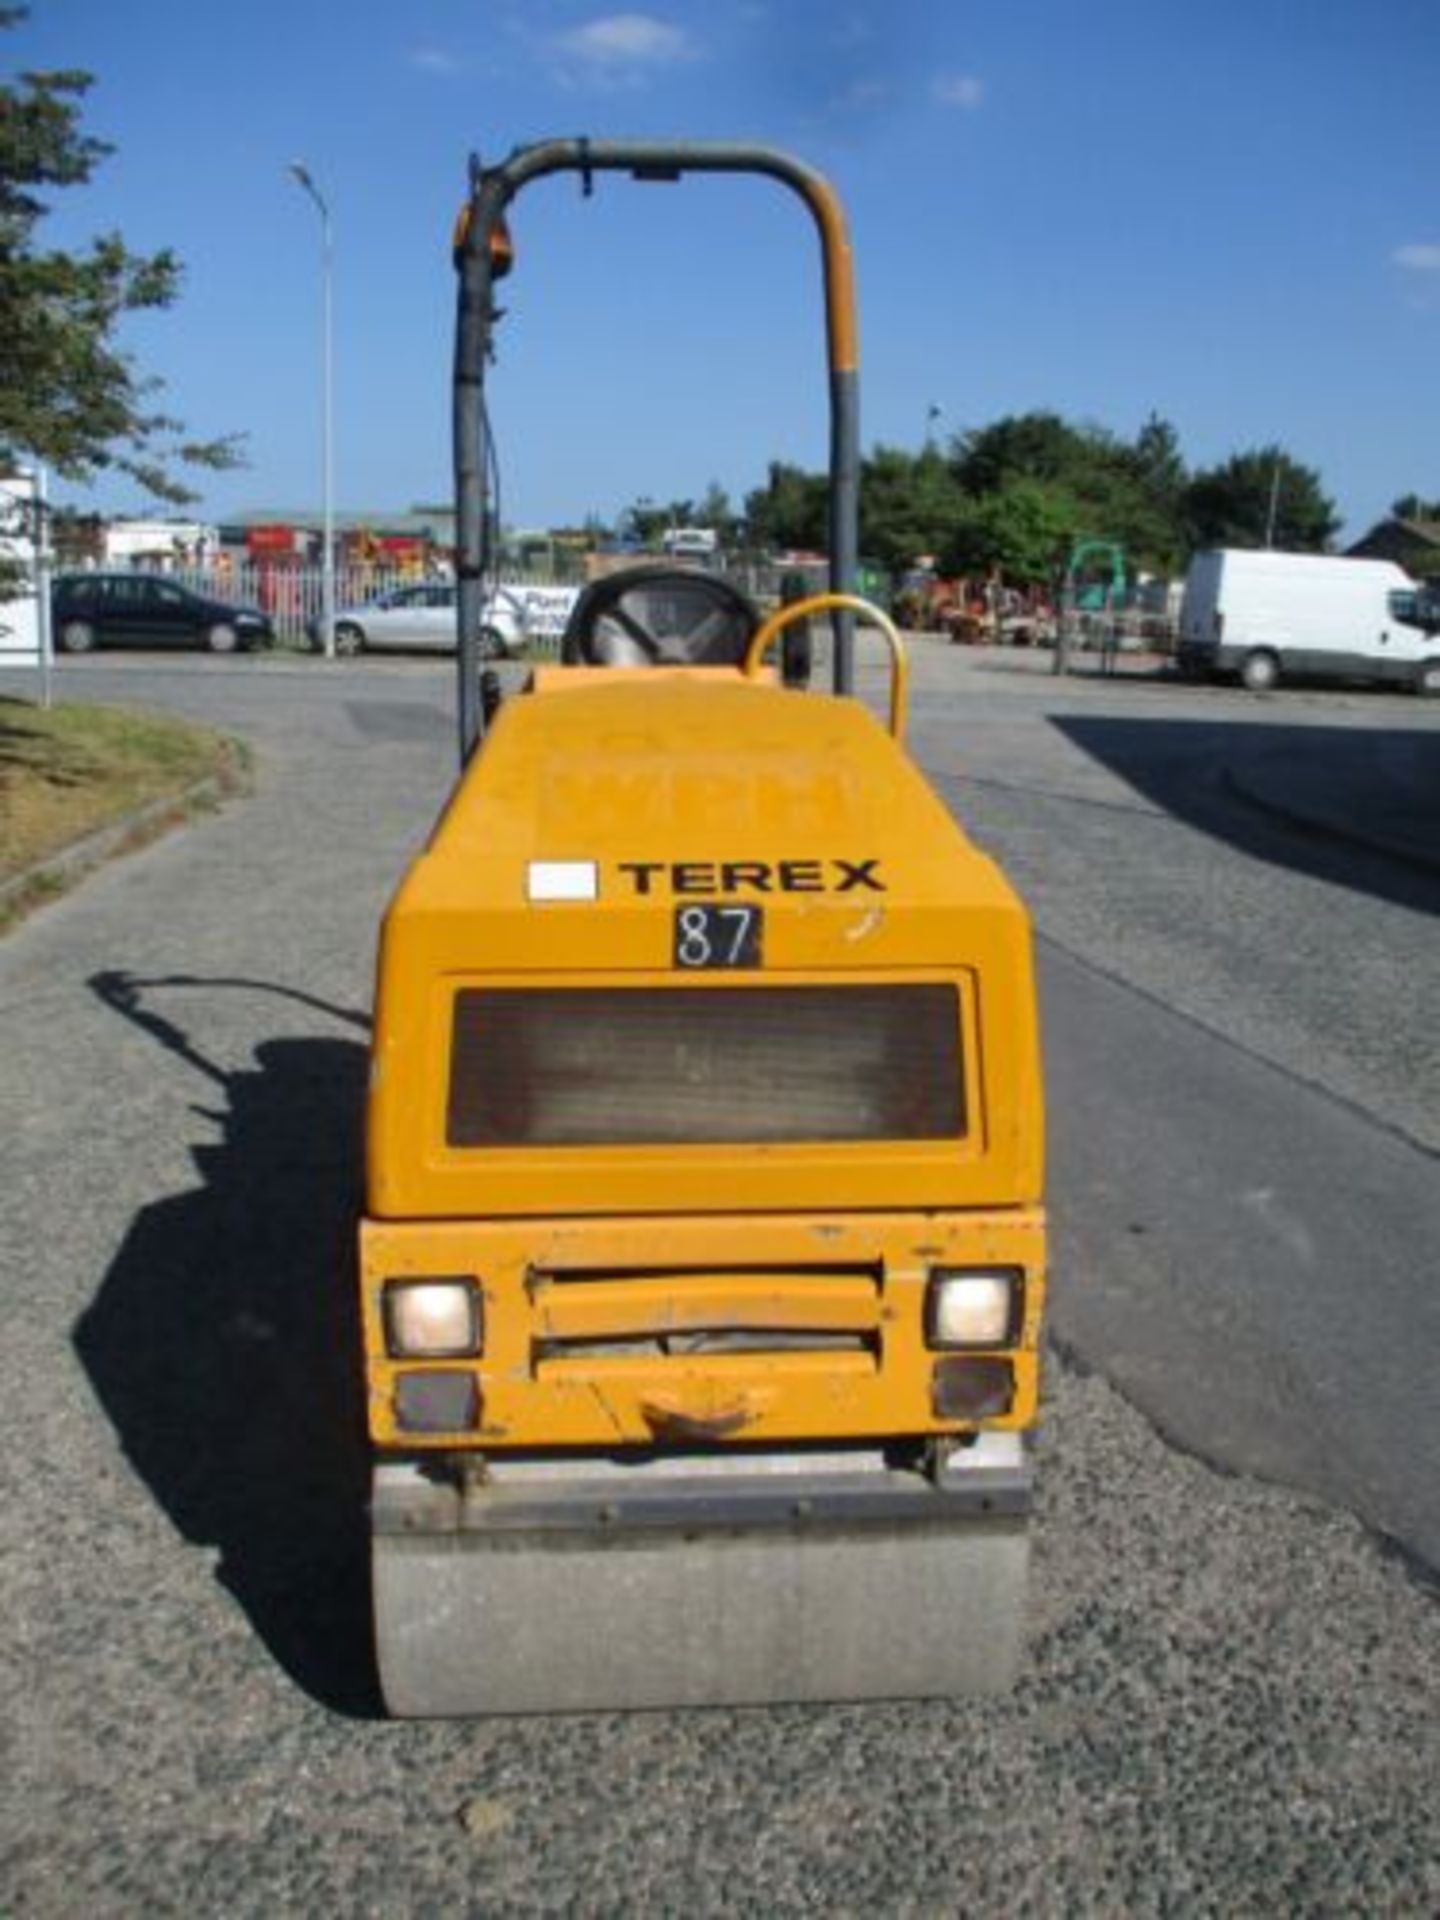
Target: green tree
1413	506
1230	505
1157	461
715	511
1036	446
1151	523
70	398
1127	491
1025	528
792	509
909	504
645	521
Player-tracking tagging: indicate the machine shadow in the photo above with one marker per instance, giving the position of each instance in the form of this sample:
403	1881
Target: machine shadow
223	1345
1354	807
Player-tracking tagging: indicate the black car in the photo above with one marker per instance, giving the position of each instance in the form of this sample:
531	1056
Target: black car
148	610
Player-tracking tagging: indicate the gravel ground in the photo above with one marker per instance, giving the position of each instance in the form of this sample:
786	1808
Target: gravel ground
1231	1709
1232	1701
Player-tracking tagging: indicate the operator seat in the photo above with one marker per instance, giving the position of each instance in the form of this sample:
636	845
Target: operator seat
659	616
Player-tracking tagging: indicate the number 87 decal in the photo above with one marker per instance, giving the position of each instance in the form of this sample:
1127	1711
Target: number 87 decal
717	937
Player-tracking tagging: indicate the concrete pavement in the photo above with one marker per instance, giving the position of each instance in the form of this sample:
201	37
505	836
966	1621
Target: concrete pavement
1379	789
1386	798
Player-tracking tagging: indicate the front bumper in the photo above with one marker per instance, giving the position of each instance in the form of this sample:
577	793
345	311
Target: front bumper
806	1489
605	1335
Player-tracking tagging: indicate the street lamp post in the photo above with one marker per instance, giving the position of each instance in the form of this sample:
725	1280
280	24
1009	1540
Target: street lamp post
301	175
1274	503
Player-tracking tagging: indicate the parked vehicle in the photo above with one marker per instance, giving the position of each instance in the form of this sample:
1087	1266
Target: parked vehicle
1420	608
1272	616
699	543
423	616
148	610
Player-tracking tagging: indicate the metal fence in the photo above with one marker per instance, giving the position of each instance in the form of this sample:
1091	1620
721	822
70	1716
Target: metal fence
1125	630
293	596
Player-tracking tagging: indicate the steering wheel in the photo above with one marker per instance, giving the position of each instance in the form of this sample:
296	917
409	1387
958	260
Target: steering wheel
619	616
663	616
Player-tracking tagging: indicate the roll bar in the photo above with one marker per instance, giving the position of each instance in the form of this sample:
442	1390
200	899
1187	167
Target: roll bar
491	191
767	633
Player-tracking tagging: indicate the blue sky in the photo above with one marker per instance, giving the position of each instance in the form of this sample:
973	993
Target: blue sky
1228	213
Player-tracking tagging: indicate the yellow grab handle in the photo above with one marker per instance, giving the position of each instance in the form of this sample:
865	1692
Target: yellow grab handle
821	603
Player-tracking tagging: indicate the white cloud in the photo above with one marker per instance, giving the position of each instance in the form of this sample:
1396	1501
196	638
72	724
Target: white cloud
962	90
861	94
1423	256
434	60
626	40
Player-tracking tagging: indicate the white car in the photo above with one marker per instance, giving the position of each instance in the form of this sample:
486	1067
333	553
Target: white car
423	616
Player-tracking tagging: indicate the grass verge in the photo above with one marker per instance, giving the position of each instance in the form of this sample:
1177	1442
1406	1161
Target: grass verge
73	771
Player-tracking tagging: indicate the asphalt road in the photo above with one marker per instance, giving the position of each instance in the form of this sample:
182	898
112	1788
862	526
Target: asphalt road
1232	1700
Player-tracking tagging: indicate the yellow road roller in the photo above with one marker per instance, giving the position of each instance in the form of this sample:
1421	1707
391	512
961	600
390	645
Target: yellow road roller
703	1257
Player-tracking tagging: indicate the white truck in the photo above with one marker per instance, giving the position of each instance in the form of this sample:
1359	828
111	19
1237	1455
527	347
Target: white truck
1271	616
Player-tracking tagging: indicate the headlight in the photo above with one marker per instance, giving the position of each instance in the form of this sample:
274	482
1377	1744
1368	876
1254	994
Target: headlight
979	1308
433	1319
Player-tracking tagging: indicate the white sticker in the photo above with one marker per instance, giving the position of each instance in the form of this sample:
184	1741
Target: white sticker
562	880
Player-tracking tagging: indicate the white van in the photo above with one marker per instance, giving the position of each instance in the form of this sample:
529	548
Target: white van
697	543
1271	616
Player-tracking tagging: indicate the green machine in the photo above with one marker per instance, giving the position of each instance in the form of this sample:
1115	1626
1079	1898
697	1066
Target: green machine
1094	582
